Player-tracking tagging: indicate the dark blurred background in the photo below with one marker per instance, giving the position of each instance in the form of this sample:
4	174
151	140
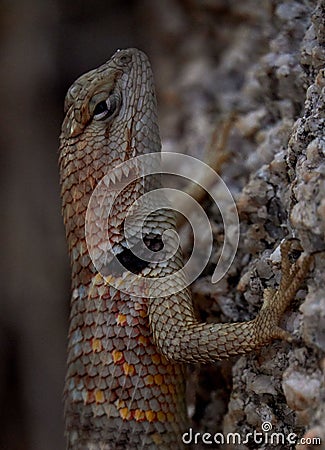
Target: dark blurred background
45	45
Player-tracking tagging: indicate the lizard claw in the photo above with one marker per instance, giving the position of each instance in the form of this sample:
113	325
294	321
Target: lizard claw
280	333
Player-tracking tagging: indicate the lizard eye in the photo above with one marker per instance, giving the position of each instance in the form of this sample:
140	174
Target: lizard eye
105	108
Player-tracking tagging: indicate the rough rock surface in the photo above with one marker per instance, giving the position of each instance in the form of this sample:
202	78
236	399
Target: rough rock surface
268	68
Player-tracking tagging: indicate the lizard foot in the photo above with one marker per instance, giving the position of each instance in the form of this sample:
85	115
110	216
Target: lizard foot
275	302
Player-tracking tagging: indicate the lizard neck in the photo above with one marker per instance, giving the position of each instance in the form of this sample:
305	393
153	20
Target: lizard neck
82	168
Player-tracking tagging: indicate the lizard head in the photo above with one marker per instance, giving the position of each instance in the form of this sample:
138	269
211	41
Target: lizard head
114	106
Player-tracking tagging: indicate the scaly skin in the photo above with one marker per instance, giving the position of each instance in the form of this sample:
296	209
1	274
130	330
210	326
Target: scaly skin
125	385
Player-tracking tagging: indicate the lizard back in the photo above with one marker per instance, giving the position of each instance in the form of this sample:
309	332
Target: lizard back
120	392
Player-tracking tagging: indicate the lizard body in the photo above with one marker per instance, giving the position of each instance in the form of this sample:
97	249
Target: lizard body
125	384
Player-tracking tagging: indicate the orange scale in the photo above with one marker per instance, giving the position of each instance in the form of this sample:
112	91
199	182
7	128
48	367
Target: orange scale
118	357
149	380
156	359
151	416
161	416
143	340
164	388
99	396
139	415
158	379
143	313
121	319
129	369
125	413
96	345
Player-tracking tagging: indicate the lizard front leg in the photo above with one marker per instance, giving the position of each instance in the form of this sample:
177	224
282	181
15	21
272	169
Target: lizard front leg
182	338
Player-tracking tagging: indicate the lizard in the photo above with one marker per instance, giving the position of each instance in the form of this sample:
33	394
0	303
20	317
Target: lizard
125	382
